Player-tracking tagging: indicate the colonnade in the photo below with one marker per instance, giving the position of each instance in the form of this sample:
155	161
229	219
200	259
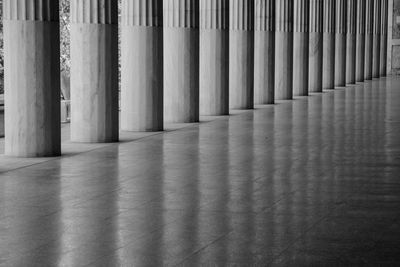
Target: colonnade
179	59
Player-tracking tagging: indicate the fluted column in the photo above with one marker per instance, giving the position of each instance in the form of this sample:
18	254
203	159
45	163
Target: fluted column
241	54
351	41
369	19
384	38
32	78
264	52
360	40
340	42
316	46
181	61
376	41
142	77
284	49
214	57
94	71
329	26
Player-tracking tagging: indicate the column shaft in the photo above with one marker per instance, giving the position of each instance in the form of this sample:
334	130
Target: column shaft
32	78
360	40
284	49
241	54
351	41
301	40
316	46
214	57
376	42
369	17
264	49
181	61
94	71
384	38
329	26
340	43
142	77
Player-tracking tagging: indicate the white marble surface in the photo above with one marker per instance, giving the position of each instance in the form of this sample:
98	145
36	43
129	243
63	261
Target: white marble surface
315	62
300	63
351	58
32	88
340	60
94	82
328	69
214	71
142	78
181	75
241	69
264	67
368	56
376	57
284	66
360	57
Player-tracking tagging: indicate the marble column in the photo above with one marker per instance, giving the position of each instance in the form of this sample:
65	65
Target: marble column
214	57
384	38
376	39
181	61
142	77
264	49
369	18
32	78
351	41
94	71
329	26
241	54
340	42
316	46
360	40
301	40
284	49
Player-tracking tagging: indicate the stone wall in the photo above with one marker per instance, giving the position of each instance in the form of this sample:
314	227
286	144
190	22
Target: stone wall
394	37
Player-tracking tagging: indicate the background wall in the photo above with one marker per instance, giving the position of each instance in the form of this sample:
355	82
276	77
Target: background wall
394	37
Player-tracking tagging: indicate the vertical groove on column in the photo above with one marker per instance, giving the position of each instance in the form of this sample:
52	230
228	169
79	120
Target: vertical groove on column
351	41
94	11
142	75
214	14
316	15
329	17
301	23
241	54
301	20
142	13
241	15
214	57
329	26
360	30
316	46
264	49
32	78
384	38
340	44
284	49
265	15
181	13
39	10
376	39
284	15
94	71
369	29
181	61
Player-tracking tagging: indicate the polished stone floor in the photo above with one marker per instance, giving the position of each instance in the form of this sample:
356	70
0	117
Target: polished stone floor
309	182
